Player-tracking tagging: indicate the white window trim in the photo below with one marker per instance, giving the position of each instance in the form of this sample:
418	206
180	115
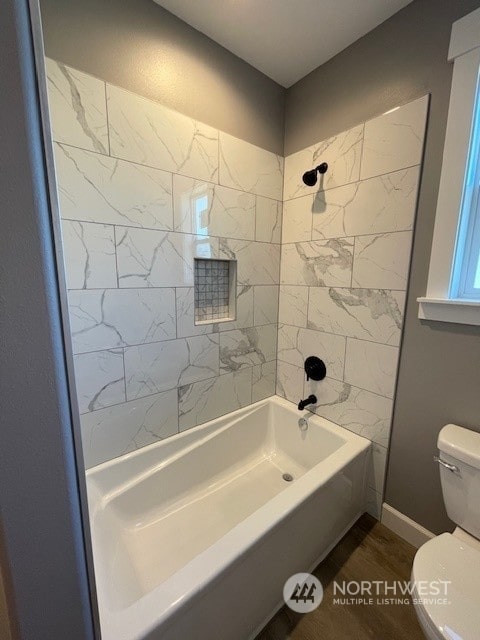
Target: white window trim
465	53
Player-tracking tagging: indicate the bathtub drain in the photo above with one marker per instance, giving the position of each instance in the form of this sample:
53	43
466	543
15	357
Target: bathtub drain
287	477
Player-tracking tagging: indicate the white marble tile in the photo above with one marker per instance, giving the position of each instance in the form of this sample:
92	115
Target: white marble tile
77	107
247	347
159	259
378	205
334	210
263	380
371	366
249	168
114	431
362	412
100	379
377	464
257	262
209	399
89	254
203	208
382	261
244	315
290	381
374	504
293	305
146	132
268	225
369	314
104	319
296	344
266	304
97	188
342	153
318	263
185	315
297	219
161	366
394	140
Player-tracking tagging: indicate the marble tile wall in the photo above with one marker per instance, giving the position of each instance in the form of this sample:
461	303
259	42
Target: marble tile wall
143	191
344	268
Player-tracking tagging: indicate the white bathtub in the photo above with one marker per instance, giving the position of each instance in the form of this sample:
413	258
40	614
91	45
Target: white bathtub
194	537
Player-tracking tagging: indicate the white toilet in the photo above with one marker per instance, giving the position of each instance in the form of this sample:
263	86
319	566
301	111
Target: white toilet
453	557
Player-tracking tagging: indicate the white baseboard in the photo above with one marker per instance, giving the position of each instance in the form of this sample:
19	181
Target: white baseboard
403	526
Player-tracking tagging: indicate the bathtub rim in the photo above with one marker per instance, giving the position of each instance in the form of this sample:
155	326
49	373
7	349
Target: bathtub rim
204	432
145	614
207	429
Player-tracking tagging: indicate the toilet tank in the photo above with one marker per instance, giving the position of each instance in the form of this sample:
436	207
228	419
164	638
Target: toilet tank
460	447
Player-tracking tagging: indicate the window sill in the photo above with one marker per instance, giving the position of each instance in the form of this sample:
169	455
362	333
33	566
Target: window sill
446	310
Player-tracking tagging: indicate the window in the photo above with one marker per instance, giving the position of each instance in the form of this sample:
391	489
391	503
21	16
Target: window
465	283
453	290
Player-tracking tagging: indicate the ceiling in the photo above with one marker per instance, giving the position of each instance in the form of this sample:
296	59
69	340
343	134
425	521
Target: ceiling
285	39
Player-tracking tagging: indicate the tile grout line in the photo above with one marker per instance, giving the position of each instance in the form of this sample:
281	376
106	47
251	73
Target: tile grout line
135	163
116	263
201	179
179	233
324	287
362	149
354	386
108	122
353	261
356	235
340	335
181	286
163	391
210	336
124	374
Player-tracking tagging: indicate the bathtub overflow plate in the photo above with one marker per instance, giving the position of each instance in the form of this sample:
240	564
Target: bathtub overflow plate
287	477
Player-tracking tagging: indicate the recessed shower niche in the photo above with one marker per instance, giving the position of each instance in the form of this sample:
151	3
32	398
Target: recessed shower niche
215	290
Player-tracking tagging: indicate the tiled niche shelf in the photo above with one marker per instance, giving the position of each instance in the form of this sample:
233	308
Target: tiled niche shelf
215	290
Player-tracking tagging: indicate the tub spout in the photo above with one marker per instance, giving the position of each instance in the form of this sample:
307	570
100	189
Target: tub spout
310	400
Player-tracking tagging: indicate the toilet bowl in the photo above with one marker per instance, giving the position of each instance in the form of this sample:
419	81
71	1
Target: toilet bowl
446	569
446	575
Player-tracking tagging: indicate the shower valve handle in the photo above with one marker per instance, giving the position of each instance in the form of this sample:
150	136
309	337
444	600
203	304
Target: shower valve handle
315	368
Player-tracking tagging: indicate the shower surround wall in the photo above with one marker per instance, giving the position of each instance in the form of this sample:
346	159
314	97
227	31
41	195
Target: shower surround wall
144	191
344	268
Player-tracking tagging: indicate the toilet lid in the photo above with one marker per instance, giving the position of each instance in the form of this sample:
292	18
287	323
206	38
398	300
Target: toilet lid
447	558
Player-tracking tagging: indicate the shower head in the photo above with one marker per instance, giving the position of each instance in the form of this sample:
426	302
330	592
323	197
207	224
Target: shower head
310	177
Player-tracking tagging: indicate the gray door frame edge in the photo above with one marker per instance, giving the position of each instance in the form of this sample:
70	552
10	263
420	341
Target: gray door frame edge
45	542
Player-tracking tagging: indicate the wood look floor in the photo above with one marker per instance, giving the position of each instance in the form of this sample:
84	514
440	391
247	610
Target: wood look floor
369	551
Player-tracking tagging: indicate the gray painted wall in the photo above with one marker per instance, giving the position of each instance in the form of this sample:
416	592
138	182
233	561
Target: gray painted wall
41	548
137	45
439	374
